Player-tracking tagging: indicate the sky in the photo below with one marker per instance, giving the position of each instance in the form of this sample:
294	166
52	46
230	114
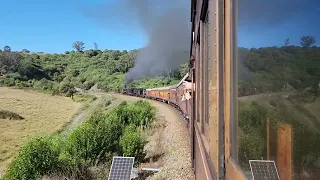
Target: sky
52	26
270	22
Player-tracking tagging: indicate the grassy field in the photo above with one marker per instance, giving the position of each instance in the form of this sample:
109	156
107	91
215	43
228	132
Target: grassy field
42	113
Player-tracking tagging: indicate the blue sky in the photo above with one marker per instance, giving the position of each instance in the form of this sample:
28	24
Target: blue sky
52	27
274	31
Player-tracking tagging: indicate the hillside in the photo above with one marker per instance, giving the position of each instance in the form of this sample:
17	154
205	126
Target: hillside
269	69
48	72
272	69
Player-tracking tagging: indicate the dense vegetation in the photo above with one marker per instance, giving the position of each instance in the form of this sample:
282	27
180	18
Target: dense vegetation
271	68
88	145
267	69
60	73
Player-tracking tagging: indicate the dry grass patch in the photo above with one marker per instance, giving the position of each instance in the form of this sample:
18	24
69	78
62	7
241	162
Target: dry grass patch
42	113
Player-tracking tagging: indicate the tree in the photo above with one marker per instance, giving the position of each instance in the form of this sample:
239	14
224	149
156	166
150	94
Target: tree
10	62
286	42
96	46
25	51
307	41
7	49
78	45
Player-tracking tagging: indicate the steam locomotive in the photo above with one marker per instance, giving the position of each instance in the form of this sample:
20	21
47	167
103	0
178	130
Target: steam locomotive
246	91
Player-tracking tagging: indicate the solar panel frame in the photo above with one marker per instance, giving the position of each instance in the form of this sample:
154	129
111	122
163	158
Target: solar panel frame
114	174
267	161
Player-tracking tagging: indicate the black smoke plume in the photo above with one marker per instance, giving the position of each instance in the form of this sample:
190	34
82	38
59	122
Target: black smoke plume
167	30
165	23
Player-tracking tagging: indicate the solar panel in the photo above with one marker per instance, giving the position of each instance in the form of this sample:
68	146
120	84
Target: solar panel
121	168
264	170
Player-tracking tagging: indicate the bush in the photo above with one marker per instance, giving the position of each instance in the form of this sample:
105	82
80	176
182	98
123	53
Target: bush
38	157
251	146
132	142
88	84
4	114
67	89
46	85
252	115
108	102
140	113
8	82
252	124
91	142
146	111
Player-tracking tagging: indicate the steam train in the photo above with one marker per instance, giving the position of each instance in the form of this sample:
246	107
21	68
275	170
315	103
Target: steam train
177	95
208	95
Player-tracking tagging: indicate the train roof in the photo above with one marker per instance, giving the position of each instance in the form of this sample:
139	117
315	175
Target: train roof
185	77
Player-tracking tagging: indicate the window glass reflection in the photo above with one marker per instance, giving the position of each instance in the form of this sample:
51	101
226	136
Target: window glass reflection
279	86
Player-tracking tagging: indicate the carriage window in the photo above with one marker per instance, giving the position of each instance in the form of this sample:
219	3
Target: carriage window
278	88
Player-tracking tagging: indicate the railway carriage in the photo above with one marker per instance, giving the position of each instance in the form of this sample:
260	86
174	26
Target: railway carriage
159	93
208	98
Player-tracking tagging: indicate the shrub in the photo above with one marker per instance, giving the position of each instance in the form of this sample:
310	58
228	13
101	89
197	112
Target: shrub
108	102
252	115
38	157
4	114
44	85
141	113
147	112
91	142
88	84
65	87
252	124
132	142
15	76
8	82
252	146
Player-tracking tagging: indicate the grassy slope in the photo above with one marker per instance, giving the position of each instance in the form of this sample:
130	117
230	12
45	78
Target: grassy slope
306	112
44	114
